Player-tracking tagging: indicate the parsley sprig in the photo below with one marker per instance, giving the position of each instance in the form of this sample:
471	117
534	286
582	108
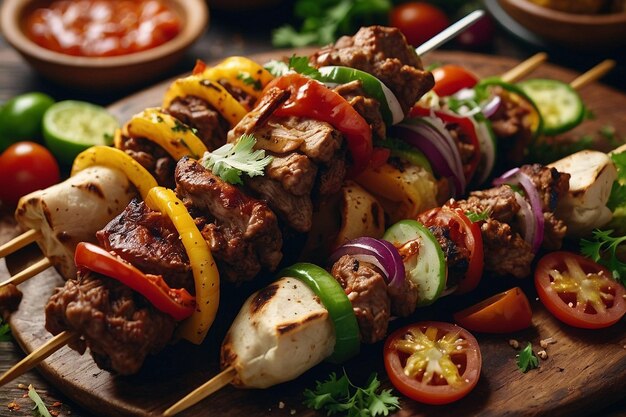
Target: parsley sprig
299	64
603	248
341	396
526	360
230	161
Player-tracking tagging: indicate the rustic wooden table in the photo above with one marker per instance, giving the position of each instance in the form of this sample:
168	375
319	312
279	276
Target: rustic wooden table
230	34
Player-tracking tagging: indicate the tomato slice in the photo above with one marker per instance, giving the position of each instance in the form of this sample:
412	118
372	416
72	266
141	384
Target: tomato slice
452	78
579	291
465	234
433	362
506	312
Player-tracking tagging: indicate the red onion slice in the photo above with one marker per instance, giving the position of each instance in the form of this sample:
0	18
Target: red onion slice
378	252
492	106
516	176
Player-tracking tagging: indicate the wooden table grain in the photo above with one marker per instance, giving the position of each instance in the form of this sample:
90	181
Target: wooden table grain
229	34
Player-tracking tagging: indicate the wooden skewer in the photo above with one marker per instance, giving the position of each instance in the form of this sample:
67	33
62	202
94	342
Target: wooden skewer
28	273
593	74
37	355
524	68
19	242
214	384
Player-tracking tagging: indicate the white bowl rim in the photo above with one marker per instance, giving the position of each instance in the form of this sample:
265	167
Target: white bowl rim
195	22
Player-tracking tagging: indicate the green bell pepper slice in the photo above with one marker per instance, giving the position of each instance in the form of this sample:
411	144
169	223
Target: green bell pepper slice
335	300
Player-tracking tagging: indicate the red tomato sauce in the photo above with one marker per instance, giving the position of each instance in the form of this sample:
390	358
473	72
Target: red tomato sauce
98	28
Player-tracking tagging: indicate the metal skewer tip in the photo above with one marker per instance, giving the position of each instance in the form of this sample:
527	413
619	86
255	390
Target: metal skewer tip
449	33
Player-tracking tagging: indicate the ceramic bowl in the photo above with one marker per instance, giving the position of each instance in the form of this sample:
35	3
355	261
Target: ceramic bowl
104	73
598	31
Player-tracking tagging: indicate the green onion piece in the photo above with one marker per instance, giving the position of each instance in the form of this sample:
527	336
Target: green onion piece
335	300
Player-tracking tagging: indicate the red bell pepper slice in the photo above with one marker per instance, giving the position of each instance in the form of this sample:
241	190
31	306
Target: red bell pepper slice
467	127
310	98
178	303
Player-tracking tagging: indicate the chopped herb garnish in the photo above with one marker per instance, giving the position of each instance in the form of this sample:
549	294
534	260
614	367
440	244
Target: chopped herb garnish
5	331
526	360
40	408
341	396
302	65
602	248
180	127
249	80
323	21
230	161
276	68
478	217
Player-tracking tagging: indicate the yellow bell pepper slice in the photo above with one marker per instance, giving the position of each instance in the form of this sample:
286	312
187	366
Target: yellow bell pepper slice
175	137
211	91
114	158
403	194
205	273
242	73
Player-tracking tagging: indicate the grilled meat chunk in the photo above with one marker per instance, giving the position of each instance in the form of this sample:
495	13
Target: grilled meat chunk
119	327
242	232
152	157
148	240
384	53
366	289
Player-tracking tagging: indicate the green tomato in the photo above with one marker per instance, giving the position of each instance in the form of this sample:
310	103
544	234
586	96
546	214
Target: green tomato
21	117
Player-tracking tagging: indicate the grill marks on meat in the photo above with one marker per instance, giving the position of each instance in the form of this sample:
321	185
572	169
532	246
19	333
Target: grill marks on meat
384	53
367	291
210	125
119	327
242	232
506	251
148	240
304	152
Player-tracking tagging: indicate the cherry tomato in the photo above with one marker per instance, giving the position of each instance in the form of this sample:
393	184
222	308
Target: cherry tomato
433	362
464	234
506	312
21	117
24	168
579	291
418	21
451	78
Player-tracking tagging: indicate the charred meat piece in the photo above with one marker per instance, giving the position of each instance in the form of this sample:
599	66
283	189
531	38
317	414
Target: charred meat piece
209	124
152	157
10	297
367	107
384	53
295	172
506	252
148	240
366	289
119	327
457	257
242	232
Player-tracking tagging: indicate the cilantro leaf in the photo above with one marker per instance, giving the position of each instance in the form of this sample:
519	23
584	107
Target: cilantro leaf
230	161
478	217
276	68
603	248
40	408
323	21
302	65
526	360
341	396
5	332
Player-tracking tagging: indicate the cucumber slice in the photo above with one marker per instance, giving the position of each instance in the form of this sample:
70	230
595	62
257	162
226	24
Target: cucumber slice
559	104
423	258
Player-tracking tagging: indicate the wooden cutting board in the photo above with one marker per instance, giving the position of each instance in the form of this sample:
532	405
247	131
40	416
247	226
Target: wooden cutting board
584	368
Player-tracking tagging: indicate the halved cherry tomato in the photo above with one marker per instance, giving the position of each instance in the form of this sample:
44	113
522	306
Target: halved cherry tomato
178	303
579	291
506	312
465	234
26	167
433	362
451	78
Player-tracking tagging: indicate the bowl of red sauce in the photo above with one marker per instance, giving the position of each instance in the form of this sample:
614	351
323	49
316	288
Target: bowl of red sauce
102	45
